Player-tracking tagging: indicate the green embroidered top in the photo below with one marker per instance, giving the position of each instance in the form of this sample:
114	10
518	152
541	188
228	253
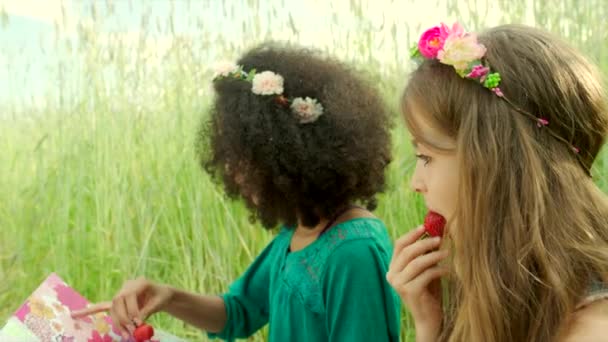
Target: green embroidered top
332	290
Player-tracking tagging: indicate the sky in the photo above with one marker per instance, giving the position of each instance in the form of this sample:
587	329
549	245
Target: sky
34	33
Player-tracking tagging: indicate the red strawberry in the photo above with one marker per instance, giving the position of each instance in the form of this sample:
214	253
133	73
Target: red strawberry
434	224
143	333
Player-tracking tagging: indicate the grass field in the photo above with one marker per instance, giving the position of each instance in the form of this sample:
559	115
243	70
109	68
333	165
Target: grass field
101	196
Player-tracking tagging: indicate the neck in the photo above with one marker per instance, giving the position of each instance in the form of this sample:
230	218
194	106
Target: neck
323	222
307	230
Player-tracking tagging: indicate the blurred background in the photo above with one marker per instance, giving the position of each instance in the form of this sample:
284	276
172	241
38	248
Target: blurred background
100	102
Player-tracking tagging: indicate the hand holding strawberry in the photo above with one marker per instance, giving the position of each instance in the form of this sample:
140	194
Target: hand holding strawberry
135	302
415	274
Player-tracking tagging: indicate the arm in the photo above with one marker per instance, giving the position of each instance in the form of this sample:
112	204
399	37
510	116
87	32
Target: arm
204	312
140	298
240	312
245	305
360	304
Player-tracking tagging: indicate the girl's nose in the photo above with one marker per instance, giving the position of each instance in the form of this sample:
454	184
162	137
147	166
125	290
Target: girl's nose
416	184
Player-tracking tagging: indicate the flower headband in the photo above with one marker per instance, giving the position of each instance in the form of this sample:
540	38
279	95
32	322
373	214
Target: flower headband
460	49
268	83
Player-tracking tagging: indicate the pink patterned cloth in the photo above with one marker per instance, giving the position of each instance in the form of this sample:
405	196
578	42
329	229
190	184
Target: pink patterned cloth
46	313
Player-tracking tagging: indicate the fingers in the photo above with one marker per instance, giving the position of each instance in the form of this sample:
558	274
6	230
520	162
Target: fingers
418	266
111	308
423	280
412	251
407	240
124	309
119	315
91	310
133	311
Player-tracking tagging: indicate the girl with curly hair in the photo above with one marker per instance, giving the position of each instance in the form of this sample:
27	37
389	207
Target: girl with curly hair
305	142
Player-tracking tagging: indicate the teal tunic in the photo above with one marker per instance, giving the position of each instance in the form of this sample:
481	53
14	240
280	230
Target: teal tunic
332	290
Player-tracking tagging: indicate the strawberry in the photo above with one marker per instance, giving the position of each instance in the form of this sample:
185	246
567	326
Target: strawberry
143	333
434	224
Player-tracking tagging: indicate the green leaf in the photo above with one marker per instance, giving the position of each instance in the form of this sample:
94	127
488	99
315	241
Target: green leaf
250	75
414	52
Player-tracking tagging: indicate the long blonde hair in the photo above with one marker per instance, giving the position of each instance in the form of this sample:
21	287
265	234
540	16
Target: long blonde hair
533	227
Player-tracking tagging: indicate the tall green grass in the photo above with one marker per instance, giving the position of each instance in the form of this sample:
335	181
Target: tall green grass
101	184
99	197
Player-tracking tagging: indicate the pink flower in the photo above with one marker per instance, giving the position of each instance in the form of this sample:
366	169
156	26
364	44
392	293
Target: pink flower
308	110
498	92
478	71
224	69
267	83
459	51
542	122
96	337
23	311
456	30
70	298
431	42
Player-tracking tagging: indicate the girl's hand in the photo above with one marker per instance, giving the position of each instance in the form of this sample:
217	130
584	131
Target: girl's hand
416	276
134	303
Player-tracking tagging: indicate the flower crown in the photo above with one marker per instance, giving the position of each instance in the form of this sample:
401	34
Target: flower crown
268	83
460	49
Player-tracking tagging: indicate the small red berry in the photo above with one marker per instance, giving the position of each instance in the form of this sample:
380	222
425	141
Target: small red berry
434	224
143	333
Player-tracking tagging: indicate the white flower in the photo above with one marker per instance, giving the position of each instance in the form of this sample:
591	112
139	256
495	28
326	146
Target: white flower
224	69
267	83
460	51
308	110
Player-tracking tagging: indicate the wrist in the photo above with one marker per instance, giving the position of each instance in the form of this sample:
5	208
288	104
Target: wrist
426	337
428	332
171	294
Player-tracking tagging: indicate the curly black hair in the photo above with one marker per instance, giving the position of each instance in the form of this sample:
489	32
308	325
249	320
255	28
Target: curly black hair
285	170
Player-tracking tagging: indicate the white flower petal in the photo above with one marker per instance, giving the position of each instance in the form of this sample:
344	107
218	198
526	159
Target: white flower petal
307	110
224	69
267	83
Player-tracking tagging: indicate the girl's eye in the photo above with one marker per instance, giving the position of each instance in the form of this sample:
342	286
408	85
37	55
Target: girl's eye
425	159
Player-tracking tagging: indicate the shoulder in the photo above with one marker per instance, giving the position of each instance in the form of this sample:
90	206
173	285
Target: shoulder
588	324
357	242
358	232
277	243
